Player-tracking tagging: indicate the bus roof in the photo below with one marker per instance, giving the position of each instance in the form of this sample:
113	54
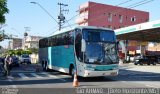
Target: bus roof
80	27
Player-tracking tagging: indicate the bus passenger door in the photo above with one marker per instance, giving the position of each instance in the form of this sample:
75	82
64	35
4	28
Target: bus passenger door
78	52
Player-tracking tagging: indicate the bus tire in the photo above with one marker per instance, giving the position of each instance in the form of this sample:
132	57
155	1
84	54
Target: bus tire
154	63
71	71
141	63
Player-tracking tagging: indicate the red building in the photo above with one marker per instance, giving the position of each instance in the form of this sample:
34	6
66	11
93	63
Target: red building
114	17
96	14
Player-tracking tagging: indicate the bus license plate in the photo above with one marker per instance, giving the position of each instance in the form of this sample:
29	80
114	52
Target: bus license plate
113	73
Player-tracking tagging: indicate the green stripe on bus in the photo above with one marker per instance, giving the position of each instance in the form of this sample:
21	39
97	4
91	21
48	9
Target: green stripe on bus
156	25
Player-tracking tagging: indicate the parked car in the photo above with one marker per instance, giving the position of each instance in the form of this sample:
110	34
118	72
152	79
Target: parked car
15	61
146	60
158	59
25	58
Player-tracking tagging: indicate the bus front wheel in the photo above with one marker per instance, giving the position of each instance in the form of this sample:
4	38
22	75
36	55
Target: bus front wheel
71	71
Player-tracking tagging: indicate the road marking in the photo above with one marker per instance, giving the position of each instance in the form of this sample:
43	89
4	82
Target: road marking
10	80
49	75
20	71
146	76
35	75
51	72
151	86
65	75
22	75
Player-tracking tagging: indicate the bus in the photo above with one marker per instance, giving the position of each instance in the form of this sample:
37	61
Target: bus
88	50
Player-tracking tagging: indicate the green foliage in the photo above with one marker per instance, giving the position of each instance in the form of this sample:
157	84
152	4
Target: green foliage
33	50
1	37
10	52
26	52
18	52
3	10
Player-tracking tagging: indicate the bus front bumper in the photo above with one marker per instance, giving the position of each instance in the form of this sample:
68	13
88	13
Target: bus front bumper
88	73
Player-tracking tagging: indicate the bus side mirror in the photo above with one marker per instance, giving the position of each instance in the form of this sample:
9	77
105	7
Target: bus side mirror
117	43
83	45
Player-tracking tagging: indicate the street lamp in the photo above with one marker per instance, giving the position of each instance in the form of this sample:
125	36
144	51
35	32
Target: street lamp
44	10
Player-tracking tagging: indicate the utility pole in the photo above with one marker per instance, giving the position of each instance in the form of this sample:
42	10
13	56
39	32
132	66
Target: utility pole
61	17
25	36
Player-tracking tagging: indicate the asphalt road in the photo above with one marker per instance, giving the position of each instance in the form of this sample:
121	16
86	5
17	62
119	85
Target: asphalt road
27	81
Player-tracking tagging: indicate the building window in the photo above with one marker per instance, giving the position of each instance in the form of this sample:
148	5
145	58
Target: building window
133	19
120	18
110	17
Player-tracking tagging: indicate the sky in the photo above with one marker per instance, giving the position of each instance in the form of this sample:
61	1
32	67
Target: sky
23	14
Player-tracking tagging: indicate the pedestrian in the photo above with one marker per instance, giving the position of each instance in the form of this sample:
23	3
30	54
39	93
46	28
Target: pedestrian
7	65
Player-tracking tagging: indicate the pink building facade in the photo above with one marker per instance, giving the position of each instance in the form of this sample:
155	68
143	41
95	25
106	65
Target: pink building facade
102	15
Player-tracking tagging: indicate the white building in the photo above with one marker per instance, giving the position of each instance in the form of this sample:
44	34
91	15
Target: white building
15	43
31	42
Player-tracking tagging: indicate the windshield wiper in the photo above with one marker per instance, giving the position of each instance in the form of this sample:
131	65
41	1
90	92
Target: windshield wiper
110	59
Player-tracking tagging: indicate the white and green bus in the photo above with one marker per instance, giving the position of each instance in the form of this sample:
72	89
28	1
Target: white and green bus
91	51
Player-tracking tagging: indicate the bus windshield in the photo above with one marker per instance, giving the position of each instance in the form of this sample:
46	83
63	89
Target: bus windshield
101	47
92	35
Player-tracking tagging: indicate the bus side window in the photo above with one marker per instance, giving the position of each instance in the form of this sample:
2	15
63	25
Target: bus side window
71	35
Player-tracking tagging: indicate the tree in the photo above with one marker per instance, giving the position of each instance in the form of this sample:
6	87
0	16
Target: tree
26	52
33	50
10	52
18	52
3	10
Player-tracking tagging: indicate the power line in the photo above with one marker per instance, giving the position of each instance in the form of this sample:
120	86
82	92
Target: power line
103	10
52	32
135	5
70	25
44	10
130	6
78	13
16	31
105	13
123	9
48	31
142	3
